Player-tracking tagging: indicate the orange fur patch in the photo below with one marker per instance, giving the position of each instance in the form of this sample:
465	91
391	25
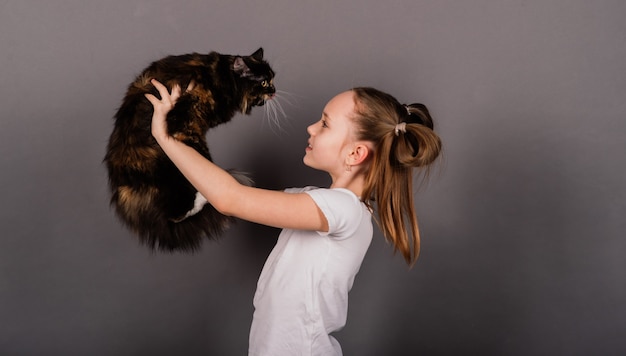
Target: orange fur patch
135	202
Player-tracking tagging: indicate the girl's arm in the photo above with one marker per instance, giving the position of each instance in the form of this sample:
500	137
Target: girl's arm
272	208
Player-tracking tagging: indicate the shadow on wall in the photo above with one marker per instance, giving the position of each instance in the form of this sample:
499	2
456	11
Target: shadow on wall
503	286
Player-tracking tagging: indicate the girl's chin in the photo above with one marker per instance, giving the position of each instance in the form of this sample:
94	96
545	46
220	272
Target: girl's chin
307	162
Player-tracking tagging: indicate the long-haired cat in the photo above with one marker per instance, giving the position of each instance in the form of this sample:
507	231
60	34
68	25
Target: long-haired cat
150	195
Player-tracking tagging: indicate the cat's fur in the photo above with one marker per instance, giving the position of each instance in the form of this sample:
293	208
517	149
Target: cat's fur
150	195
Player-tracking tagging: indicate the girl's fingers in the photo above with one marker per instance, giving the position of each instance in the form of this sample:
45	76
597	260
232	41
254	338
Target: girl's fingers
160	87
176	91
167	99
166	96
191	85
151	98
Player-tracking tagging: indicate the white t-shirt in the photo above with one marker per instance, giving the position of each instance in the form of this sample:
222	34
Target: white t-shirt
302	293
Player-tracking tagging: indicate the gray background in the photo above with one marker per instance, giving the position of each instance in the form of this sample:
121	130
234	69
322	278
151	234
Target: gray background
523	222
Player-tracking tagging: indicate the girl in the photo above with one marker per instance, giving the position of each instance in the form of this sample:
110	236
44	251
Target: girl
368	142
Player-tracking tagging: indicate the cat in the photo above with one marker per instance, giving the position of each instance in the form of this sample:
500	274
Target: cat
150	195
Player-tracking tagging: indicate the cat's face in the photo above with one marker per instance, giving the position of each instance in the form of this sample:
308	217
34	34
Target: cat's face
256	78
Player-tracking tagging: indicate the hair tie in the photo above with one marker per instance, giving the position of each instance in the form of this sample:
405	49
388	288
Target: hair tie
400	127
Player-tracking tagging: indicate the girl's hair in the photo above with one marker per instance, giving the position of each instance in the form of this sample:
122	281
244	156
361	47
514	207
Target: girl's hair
403	138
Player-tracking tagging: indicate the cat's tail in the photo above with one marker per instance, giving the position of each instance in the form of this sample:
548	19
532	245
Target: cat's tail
242	177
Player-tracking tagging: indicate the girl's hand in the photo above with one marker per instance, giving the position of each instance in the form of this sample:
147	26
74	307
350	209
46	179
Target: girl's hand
163	106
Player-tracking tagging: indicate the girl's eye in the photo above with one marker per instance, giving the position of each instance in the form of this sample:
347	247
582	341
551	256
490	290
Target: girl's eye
324	123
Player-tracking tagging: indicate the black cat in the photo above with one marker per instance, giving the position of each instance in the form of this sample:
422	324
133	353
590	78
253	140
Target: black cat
149	193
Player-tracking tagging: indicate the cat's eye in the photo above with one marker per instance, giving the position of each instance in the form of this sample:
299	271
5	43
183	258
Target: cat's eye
265	84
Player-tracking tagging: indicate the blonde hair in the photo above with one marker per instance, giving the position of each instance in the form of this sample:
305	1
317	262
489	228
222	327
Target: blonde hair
403	139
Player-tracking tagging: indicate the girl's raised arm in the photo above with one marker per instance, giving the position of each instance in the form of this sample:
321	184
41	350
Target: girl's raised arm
267	207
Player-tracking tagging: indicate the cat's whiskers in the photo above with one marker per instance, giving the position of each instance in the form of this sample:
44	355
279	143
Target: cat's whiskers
274	112
285	95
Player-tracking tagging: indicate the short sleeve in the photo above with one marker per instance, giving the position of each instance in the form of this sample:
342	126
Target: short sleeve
342	210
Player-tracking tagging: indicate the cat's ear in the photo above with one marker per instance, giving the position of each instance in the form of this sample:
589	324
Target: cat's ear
240	67
258	55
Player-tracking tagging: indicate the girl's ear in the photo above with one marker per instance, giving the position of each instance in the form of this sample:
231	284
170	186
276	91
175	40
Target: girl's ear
359	154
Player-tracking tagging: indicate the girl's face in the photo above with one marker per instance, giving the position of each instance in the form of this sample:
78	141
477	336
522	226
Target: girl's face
331	137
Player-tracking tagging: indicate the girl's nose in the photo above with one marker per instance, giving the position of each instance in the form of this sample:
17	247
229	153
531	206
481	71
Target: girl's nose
310	128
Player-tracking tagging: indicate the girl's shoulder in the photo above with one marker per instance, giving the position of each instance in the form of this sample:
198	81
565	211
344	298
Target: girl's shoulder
301	189
343	210
330	191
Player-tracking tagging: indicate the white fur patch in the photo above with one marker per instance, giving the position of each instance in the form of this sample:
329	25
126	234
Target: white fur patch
198	204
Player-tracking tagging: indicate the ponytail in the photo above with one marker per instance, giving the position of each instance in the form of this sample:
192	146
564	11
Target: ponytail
404	139
417	145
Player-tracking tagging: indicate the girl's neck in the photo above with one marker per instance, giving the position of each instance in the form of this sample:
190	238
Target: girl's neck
352	181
